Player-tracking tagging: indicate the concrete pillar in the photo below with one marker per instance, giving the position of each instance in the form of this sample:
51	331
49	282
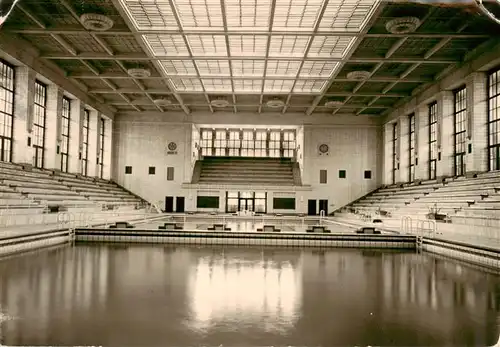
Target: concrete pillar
387	138
422	142
404	146
445	137
93	143
23	115
477	126
75	136
108	149
53	127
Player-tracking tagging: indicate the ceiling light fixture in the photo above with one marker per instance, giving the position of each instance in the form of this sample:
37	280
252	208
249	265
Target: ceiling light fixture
334	104
358	75
162	102
96	22
275	103
139	73
403	25
219	102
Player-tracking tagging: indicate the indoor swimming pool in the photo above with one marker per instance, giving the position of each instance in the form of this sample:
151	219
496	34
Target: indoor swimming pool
288	224
151	295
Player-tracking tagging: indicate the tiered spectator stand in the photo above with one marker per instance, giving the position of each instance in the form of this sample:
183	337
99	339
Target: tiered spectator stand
32	196
469	205
243	170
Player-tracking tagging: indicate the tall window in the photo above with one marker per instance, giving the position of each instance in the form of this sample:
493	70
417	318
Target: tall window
394	152
39	113
260	143
494	120
7	81
274	144
411	149
220	143
248	144
432	140
206	142
234	143
85	141
460	114
289	144
66	109
101	148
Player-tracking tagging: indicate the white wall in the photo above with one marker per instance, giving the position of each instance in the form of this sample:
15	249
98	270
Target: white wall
142	142
473	75
354	149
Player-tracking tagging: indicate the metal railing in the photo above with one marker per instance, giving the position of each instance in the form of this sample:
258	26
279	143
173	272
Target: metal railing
418	227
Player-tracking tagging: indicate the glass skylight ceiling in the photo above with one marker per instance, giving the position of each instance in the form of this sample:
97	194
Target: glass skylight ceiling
241	46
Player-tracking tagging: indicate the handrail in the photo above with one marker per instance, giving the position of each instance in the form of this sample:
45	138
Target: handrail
321	216
407	224
426	222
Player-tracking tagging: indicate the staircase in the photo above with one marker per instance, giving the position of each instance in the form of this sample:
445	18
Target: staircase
247	171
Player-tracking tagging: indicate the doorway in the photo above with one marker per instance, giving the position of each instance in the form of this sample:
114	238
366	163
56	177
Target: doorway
323	206
179	204
246	204
311	207
169	204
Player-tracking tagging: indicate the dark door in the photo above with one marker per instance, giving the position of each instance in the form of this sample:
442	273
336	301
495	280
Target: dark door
323	206
169	204
246	204
311	207
179	204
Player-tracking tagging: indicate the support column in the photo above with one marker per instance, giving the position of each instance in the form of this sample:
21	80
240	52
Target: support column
23	115
108	150
93	143
387	136
422	142
75	136
404	146
445	137
477	123
53	127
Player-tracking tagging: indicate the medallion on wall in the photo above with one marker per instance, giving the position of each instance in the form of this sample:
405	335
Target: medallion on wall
323	149
172	148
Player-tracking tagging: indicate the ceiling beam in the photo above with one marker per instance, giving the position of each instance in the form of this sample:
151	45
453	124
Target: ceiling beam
228	49
146	103
306	53
115	32
140	40
188	47
145	57
393	50
114	75
268	46
340	66
165	92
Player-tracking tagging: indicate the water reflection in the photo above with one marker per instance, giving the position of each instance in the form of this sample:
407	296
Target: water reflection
257	290
155	295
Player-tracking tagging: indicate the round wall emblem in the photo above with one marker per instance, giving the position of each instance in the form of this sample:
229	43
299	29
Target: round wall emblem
323	148
172	146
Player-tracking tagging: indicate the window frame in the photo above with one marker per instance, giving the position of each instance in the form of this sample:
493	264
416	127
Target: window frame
85	142
39	130
459	136
432	119
65	133
8	71
102	129
411	147
493	107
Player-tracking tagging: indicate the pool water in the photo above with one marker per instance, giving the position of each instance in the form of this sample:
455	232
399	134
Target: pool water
145	295
239	224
